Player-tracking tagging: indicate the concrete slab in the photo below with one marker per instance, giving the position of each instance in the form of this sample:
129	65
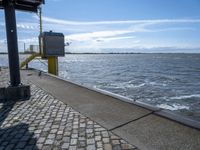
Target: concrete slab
106	110
178	118
157	133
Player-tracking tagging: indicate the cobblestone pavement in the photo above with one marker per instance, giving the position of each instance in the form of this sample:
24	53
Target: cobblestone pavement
4	75
44	122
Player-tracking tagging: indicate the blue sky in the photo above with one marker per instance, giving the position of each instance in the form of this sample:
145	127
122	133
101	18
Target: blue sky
117	25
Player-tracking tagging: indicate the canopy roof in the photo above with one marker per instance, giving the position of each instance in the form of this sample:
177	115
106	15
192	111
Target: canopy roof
24	5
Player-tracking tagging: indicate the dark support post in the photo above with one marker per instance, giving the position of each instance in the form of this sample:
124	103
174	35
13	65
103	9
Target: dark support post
11	31
16	91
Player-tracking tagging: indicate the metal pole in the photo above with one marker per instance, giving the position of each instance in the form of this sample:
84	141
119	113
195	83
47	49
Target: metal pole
24	47
40	15
12	45
53	65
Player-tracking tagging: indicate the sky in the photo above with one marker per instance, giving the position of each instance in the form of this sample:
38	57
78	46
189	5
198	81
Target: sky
114	25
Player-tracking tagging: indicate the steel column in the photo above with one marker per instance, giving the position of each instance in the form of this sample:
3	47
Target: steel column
12	45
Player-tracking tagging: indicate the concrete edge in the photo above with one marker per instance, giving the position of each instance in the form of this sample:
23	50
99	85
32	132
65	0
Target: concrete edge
107	93
155	110
179	119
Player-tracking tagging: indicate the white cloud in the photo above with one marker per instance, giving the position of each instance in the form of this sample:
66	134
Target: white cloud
114	38
99	34
56	0
29	40
102	34
28	26
155	21
107	31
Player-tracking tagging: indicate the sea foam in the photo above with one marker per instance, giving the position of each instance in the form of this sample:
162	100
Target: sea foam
186	96
173	106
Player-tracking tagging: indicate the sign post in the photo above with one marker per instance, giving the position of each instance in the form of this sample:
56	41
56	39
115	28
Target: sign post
53	65
52	46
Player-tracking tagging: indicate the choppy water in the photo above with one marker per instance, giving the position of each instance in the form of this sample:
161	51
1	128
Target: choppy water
170	81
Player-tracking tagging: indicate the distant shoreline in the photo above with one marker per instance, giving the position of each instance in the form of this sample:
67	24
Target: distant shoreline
4	53
132	53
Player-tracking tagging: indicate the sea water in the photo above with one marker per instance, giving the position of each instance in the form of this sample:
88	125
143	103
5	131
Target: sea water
169	81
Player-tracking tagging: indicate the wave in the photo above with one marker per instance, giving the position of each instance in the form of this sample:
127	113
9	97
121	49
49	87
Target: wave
131	85
186	96
125	85
135	86
173	106
156	84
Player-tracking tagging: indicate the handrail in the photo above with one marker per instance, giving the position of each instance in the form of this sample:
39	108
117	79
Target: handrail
29	59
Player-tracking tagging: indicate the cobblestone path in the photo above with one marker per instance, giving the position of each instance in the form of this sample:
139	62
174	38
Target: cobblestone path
43	122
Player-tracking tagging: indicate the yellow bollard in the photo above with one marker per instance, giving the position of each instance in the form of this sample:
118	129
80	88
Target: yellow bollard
53	65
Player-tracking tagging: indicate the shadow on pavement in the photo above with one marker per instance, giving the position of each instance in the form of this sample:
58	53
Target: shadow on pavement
17	136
